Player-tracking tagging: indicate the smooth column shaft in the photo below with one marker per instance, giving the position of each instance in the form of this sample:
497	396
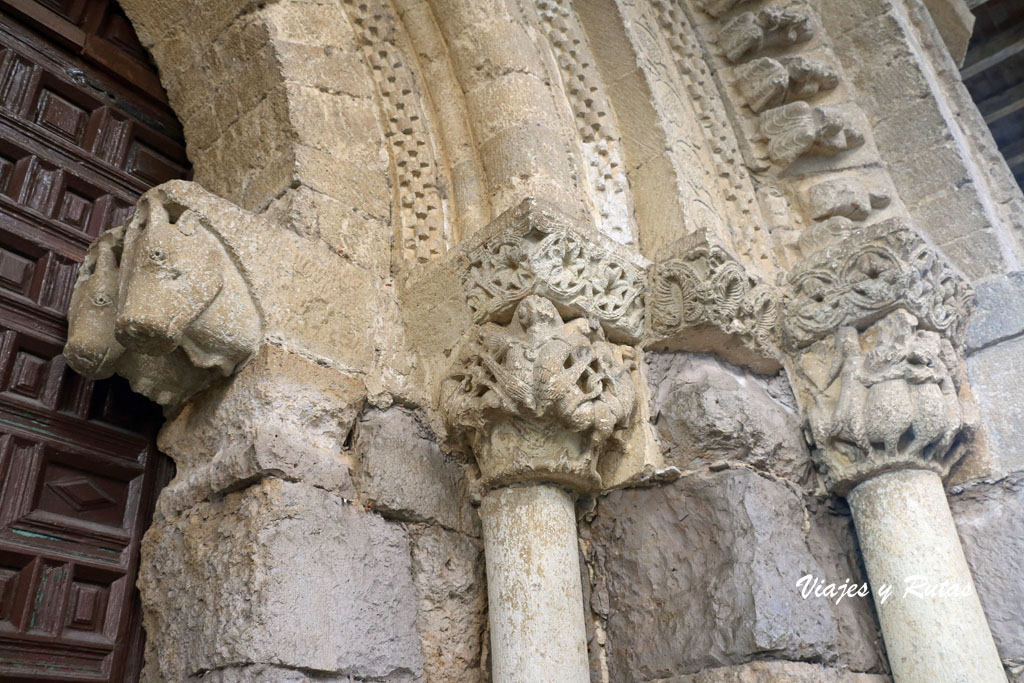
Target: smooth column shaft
535	598
932	622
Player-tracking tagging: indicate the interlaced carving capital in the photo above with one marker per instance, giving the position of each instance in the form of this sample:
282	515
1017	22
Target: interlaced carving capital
537	399
532	250
873	327
874	271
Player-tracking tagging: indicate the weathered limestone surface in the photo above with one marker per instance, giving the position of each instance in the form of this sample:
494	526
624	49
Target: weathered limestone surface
451	617
300	579
721	553
258	673
282	416
705	411
776	672
1000	312
400	472
949	174
1001	401
365	143
990	520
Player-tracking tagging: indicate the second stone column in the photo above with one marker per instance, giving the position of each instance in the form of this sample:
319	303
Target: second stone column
537	401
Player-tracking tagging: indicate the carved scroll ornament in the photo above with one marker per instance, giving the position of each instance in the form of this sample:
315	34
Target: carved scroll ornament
702	298
537	399
874	327
161	303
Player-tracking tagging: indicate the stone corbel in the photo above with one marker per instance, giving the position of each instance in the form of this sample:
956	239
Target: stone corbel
748	33
873	329
701	298
537	400
796	129
164	301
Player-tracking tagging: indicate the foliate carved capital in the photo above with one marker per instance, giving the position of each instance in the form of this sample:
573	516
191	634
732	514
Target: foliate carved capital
701	298
531	249
893	396
538	399
161	301
873	328
873	271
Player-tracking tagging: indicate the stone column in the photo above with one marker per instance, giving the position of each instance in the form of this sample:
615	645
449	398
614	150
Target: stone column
538	631
933	624
537	401
873	327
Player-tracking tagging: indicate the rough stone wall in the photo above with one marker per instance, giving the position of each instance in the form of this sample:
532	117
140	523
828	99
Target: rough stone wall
317	529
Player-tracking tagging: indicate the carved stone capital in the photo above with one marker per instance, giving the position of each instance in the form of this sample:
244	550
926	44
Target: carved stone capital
531	249
538	399
161	301
701	298
873	327
868	274
893	396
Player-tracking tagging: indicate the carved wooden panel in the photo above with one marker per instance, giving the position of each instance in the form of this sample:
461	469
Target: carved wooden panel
82	134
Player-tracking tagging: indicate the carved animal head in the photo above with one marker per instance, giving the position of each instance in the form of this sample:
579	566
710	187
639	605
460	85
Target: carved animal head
162	303
92	348
172	268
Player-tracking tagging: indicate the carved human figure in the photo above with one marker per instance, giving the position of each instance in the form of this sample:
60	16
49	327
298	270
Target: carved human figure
888	411
937	413
846	423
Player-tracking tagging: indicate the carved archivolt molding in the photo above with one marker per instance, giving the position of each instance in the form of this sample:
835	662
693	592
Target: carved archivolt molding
537	399
162	303
531	250
875	270
701	298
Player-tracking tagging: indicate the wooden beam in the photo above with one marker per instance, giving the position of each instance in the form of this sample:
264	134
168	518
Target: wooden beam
1014	154
995	52
1002	105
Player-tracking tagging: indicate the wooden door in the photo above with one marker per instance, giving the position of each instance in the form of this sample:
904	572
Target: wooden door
84	130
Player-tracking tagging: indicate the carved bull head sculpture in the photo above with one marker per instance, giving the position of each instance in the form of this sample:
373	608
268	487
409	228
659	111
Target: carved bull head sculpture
162	303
